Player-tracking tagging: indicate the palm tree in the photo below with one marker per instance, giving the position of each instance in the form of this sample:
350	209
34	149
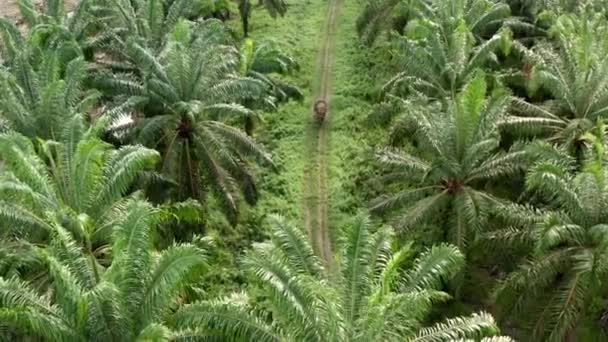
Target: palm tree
537	7
273	7
458	152
128	301
438	64
380	16
146	21
37	101
77	182
371	297
574	71
70	34
193	92
260	61
562	278
482	17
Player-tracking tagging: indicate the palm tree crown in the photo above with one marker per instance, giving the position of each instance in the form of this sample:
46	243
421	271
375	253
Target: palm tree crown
77	182
458	149
37	101
195	90
575	72
370	298
128	301
568	244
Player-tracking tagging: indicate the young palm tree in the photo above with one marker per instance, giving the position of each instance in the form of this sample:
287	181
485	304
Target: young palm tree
438	64
260	62
193	93
458	152
128	301
562	281
371	297
146	21
482	17
38	96
77	183
575	72
273	7
52	28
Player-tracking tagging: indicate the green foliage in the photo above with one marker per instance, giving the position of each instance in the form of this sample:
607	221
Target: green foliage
50	29
482	17
573	69
496	145
458	149
273	7
370	298
77	183
38	97
261	60
557	285
129	300
193	93
146	21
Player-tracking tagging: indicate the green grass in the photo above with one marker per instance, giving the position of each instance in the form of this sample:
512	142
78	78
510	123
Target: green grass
349	141
284	132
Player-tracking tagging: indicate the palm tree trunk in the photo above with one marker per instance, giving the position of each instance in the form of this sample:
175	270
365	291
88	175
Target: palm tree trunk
245	12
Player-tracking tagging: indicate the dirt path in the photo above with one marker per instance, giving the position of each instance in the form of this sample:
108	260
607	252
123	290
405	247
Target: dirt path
316	175
9	8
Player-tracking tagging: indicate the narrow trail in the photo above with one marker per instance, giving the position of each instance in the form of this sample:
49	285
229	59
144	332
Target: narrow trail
316	174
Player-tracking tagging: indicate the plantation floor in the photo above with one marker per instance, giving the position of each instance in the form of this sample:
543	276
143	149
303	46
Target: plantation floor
319	167
316	174
9	8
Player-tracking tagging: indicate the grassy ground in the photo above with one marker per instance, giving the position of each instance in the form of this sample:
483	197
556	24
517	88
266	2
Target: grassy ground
285	131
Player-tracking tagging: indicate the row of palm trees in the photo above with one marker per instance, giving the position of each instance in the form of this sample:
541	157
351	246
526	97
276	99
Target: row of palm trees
497	137
111	116
158	79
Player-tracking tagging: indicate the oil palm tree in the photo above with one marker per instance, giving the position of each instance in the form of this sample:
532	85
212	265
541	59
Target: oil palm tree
380	16
38	97
127	301
482	17
370	297
438	64
560	283
77	182
574	71
262	62
66	27
273	7
147	21
193	94
458	152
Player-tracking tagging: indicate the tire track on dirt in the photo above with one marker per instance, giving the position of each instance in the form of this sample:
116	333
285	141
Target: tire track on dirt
316	178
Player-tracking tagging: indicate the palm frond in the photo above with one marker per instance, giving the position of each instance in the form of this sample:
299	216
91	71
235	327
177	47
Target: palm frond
456	328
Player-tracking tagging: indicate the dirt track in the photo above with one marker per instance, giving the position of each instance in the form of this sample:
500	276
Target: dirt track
315	175
9	8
